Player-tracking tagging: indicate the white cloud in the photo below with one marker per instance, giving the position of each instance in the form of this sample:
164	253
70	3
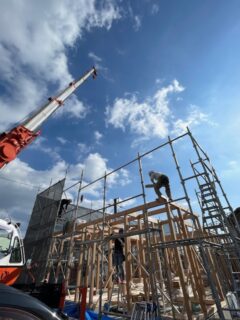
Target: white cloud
121	52
135	18
153	117
231	170
106	13
94	166
98	136
137	23
158	81
195	117
25	96
179	99
19	186
62	140
95	58
33	46
233	164
146	119
154	9
74	108
124	177
40	145
83	148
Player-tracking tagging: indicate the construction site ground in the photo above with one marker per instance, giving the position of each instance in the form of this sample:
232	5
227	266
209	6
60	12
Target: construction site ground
118	302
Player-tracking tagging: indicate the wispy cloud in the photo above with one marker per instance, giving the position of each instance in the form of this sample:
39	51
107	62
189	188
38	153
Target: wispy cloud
97	61
137	22
98	136
40	144
154	9
82	148
194	118
95	58
136	19
121	52
158	81
62	140
232	169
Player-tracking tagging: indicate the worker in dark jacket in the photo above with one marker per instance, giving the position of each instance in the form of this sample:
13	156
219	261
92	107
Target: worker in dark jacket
119	257
63	206
160	180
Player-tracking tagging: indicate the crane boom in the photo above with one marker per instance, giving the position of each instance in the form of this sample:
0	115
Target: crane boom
12	142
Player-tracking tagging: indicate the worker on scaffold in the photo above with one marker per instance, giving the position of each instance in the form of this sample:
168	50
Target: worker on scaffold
63	206
119	257
160	180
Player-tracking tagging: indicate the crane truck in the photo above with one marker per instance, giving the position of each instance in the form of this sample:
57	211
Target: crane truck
12	258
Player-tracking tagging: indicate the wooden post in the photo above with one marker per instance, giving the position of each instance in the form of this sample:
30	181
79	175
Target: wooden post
86	267
196	279
128	266
167	268
98	268
59	262
110	265
143	262
79	268
212	266
93	267
180	271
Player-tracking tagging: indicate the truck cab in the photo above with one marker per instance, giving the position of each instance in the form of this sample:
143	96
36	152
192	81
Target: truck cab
12	258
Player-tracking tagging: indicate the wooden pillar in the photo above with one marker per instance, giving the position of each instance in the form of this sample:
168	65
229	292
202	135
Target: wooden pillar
167	268
98	268
59	262
180	270
110	265
140	272
143	262
128	265
93	268
69	261
197	283
157	260
86	267
80	266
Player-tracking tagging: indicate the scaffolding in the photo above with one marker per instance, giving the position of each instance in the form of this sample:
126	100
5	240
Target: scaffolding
184	267
38	238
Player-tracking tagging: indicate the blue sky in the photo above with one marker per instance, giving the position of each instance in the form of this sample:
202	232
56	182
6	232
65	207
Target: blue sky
162	65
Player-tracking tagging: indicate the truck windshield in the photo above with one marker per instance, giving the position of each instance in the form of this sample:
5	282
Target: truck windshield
5	241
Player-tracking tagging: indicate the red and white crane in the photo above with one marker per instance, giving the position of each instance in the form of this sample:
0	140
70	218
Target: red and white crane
12	142
12	257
